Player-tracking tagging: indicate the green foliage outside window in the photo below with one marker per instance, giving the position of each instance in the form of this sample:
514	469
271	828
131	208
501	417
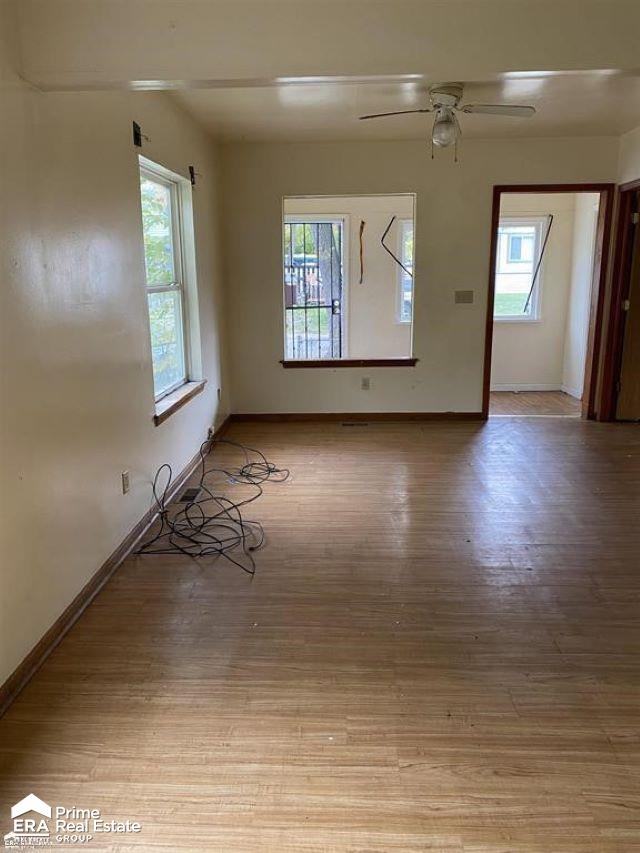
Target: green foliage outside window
165	309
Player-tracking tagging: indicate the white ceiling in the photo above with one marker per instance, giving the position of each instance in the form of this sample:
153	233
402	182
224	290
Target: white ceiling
72	44
573	104
225	61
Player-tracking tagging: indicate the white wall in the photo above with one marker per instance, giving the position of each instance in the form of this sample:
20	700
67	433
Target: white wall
530	355
585	221
373	330
76	378
629	161
453	223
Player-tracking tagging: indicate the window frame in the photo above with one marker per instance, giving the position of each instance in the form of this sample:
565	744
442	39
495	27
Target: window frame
538	221
402	223
177	186
336	218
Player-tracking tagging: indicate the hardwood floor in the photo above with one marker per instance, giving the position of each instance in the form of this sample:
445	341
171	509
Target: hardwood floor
533	403
440	650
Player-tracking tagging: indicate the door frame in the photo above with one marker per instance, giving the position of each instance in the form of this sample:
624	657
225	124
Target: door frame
600	267
620	285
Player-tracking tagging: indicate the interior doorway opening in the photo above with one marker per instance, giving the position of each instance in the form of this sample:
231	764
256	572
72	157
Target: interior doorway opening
544	307
621	372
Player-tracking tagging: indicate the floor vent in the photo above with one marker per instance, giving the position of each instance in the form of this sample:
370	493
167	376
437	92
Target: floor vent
189	496
355	423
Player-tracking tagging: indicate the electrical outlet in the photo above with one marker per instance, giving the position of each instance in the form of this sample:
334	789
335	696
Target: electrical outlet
365	383
125	482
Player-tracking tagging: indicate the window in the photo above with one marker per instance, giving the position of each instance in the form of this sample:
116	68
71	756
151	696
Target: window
405	272
162	196
313	286
519	245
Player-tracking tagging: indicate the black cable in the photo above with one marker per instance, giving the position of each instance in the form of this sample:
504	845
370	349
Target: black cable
388	250
224	532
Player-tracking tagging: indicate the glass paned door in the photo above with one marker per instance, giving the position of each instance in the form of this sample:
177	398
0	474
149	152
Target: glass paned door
313	289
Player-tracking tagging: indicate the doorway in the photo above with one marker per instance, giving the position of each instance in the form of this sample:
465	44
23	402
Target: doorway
621	373
545	299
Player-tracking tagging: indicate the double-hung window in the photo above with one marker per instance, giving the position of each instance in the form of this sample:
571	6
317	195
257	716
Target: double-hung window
405	272
518	268
162	226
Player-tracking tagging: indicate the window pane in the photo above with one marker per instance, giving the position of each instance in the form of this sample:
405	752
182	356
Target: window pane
310	340
157	227
167	345
515	266
406	296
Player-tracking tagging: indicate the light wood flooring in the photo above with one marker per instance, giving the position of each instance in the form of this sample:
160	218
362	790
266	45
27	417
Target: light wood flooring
530	403
440	651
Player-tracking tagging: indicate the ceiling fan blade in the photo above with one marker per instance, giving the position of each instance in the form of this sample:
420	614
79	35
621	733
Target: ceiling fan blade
398	113
499	110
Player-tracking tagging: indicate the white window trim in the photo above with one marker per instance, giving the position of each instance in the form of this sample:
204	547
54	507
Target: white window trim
185	267
399	273
344	307
540	223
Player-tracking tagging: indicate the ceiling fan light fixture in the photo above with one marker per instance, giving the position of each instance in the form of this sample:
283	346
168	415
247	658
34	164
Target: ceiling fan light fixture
445	129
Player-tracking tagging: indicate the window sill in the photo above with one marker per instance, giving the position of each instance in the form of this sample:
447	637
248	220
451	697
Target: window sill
330	363
518	320
176	400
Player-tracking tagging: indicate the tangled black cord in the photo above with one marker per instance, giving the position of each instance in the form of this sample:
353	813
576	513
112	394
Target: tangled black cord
225	533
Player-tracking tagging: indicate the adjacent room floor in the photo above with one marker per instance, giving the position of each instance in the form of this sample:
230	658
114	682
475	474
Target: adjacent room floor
532	403
440	650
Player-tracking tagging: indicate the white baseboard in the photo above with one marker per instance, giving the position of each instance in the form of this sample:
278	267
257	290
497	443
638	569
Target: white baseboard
572	392
527	387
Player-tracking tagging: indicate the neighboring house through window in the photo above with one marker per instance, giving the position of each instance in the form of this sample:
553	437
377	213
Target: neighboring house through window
520	241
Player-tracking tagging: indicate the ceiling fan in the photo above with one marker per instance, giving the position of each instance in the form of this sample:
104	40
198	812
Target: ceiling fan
445	103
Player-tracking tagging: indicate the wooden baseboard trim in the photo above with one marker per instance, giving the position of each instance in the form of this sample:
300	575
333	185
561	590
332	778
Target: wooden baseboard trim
390	417
224	427
25	671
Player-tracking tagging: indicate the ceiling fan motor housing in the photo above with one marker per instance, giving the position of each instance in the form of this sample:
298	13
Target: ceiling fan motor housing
446	94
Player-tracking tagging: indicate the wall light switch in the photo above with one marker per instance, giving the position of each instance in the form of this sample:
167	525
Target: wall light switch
463	297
